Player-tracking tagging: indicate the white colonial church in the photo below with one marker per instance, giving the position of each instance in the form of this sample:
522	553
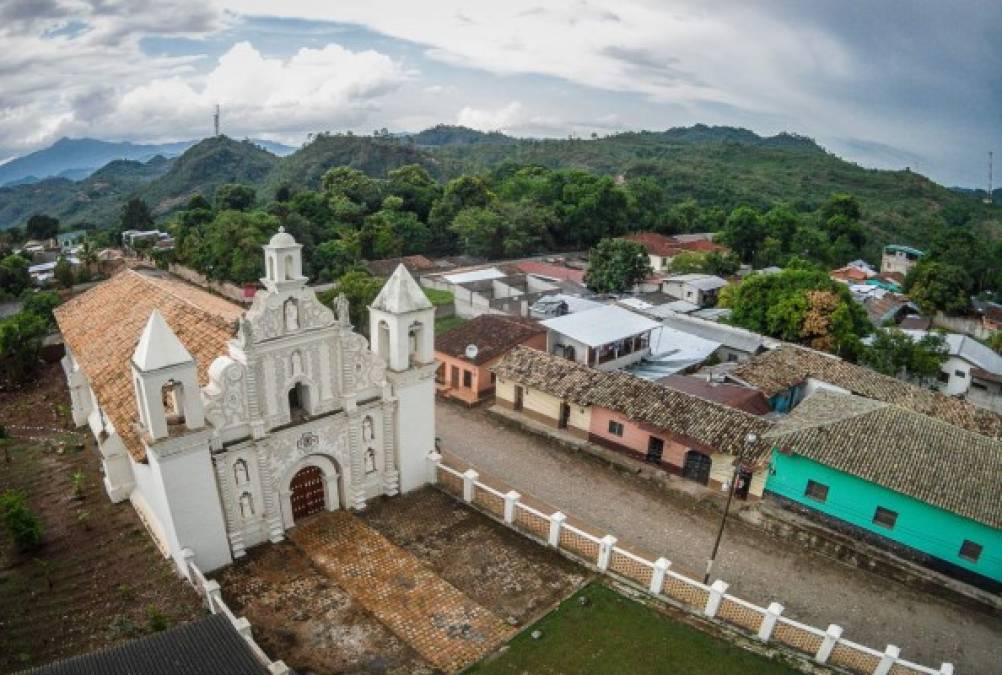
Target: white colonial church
224	427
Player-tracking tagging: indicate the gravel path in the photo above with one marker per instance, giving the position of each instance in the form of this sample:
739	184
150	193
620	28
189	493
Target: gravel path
873	610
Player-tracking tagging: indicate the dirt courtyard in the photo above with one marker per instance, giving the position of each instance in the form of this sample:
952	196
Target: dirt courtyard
302	615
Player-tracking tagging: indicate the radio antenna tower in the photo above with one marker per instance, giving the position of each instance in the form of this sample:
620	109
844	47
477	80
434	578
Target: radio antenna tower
215	119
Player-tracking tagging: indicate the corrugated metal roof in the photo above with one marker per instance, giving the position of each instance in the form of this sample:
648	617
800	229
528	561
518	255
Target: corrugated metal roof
484	274
210	645
601	325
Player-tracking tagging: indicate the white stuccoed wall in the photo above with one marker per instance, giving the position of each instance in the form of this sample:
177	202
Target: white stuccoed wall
415	428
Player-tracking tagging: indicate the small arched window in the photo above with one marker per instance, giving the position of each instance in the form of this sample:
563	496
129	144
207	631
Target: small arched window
240	473
246	506
370	460
172	395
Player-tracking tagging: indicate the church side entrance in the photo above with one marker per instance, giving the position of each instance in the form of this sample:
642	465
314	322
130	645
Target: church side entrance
307	489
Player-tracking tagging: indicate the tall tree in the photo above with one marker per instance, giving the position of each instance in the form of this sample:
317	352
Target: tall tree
744	232
936	286
616	265
894	352
234	197
40	226
63	273
135	216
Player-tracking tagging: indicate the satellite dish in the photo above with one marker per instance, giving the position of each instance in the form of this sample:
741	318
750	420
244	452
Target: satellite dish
472	351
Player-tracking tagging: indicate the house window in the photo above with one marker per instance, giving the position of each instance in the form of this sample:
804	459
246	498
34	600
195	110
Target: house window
943	376
960	373
885	517
494	378
731	358
615	428
816	491
467	379
978	385
970	551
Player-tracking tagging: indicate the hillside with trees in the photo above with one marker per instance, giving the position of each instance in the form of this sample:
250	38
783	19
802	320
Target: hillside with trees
676	180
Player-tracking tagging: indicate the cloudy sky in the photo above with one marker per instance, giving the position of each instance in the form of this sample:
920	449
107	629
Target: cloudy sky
887	84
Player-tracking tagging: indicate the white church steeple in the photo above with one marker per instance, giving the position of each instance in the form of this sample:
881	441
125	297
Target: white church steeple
166	381
283	263
402	322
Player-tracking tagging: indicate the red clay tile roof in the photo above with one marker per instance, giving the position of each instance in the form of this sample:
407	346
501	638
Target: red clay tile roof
102	326
551	270
848	273
691	419
493	334
776	371
669	247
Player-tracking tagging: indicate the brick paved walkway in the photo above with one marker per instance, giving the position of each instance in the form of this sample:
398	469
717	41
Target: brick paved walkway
442	624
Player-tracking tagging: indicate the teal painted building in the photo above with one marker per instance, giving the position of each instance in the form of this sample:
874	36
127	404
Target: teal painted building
928	529
927	490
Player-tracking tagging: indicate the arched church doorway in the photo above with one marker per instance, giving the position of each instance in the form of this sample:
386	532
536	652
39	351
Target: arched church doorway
307	488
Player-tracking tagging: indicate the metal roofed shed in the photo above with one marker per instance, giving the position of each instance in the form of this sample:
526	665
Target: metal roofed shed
601	325
673	351
485	274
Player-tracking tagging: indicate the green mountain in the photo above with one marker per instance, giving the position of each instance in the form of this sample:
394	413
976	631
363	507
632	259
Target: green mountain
204	167
716	166
95	199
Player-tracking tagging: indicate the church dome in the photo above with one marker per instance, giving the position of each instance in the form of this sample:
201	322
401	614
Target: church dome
282	238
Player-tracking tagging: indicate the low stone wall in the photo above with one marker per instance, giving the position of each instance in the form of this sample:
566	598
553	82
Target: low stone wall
229	291
657	578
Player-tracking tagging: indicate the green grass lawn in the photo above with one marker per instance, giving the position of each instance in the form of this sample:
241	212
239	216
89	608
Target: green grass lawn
447	323
438	297
615	635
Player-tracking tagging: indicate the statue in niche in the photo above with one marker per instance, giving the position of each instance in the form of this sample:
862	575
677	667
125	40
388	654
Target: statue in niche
246	505
370	460
367	432
291	315
296	363
341	309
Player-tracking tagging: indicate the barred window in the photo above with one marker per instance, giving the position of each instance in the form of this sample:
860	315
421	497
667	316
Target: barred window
885	517
816	491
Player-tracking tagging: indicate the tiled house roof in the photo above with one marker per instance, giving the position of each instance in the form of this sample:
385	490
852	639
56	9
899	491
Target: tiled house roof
659	244
776	371
102	326
899	449
703	423
493	334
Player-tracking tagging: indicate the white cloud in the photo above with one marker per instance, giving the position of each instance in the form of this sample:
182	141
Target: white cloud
326	88
509	118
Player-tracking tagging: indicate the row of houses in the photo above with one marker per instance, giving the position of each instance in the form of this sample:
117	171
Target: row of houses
881	459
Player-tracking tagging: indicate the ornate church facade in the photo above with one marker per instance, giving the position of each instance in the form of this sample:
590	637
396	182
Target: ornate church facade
224	427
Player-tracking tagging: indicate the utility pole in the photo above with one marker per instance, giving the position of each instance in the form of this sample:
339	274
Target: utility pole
215	120
750	440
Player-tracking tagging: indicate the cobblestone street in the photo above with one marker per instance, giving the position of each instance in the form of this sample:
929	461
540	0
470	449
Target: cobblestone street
873	610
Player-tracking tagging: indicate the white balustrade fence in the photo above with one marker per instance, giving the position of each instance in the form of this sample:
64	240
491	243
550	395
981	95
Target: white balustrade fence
656	577
209	590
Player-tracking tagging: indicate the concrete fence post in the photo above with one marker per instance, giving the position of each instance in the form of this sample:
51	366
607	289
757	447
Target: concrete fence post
661	566
946	669
510	499
433	461
469	484
605	551
278	668
189	559
832	636
887	660
769	621
556	522
212	593
717	590
244	628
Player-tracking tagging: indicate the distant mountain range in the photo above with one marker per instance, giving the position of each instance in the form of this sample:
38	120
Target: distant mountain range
78	158
722	167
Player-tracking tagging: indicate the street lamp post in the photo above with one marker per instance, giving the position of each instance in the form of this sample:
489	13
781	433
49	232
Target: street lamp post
750	440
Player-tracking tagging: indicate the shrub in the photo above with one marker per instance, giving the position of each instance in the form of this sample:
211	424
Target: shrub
156	619
24	527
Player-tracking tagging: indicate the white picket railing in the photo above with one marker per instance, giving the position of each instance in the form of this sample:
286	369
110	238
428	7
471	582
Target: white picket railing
656	577
209	590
